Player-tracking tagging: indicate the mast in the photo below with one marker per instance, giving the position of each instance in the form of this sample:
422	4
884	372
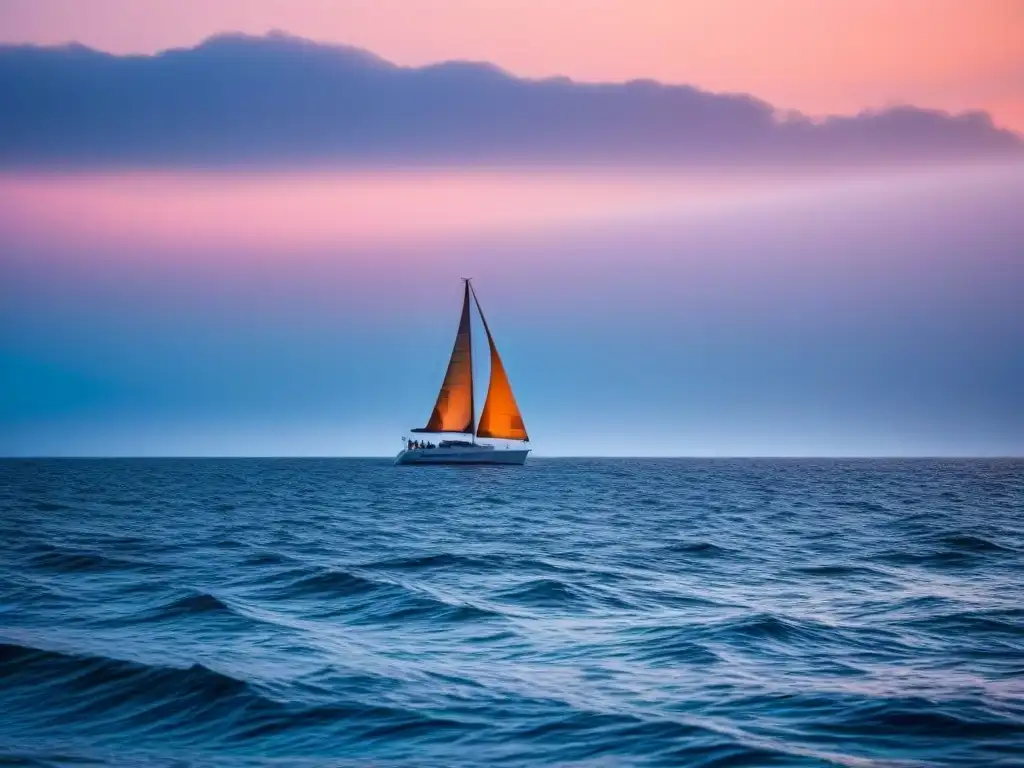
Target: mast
467	289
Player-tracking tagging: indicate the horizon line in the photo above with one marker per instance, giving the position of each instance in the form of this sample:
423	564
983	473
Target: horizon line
780	457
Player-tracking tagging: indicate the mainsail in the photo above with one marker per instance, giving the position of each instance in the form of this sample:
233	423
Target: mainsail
501	417
454	411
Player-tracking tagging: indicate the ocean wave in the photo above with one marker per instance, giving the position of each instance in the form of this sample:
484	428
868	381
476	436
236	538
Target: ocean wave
28	668
155	700
949	550
328	583
912	716
663	645
555	594
441	560
67	561
200	604
50	506
967	542
698	549
938	559
325	593
748	629
839	571
542	593
408	606
990	624
262	559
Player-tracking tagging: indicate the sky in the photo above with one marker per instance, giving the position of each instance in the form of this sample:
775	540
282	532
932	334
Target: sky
818	57
202	254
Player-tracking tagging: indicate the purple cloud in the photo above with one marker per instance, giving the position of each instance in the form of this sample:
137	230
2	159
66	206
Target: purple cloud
283	101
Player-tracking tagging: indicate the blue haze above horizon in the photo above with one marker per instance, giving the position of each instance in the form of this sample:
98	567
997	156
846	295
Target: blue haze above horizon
881	320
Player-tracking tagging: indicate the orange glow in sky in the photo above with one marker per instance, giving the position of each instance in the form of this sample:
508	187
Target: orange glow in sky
818	56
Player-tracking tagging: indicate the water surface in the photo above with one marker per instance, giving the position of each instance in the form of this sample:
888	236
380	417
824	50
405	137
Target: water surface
571	612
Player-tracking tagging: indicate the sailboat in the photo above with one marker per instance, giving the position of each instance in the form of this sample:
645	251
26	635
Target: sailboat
455	413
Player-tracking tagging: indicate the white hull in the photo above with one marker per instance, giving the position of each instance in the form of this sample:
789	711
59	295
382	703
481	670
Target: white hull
476	454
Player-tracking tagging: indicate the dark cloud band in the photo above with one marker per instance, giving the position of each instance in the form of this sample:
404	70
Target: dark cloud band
282	101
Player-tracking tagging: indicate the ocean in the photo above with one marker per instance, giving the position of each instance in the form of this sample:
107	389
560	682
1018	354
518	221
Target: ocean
572	612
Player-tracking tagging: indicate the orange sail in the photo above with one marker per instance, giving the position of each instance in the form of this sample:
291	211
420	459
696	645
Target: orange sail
501	417
453	411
